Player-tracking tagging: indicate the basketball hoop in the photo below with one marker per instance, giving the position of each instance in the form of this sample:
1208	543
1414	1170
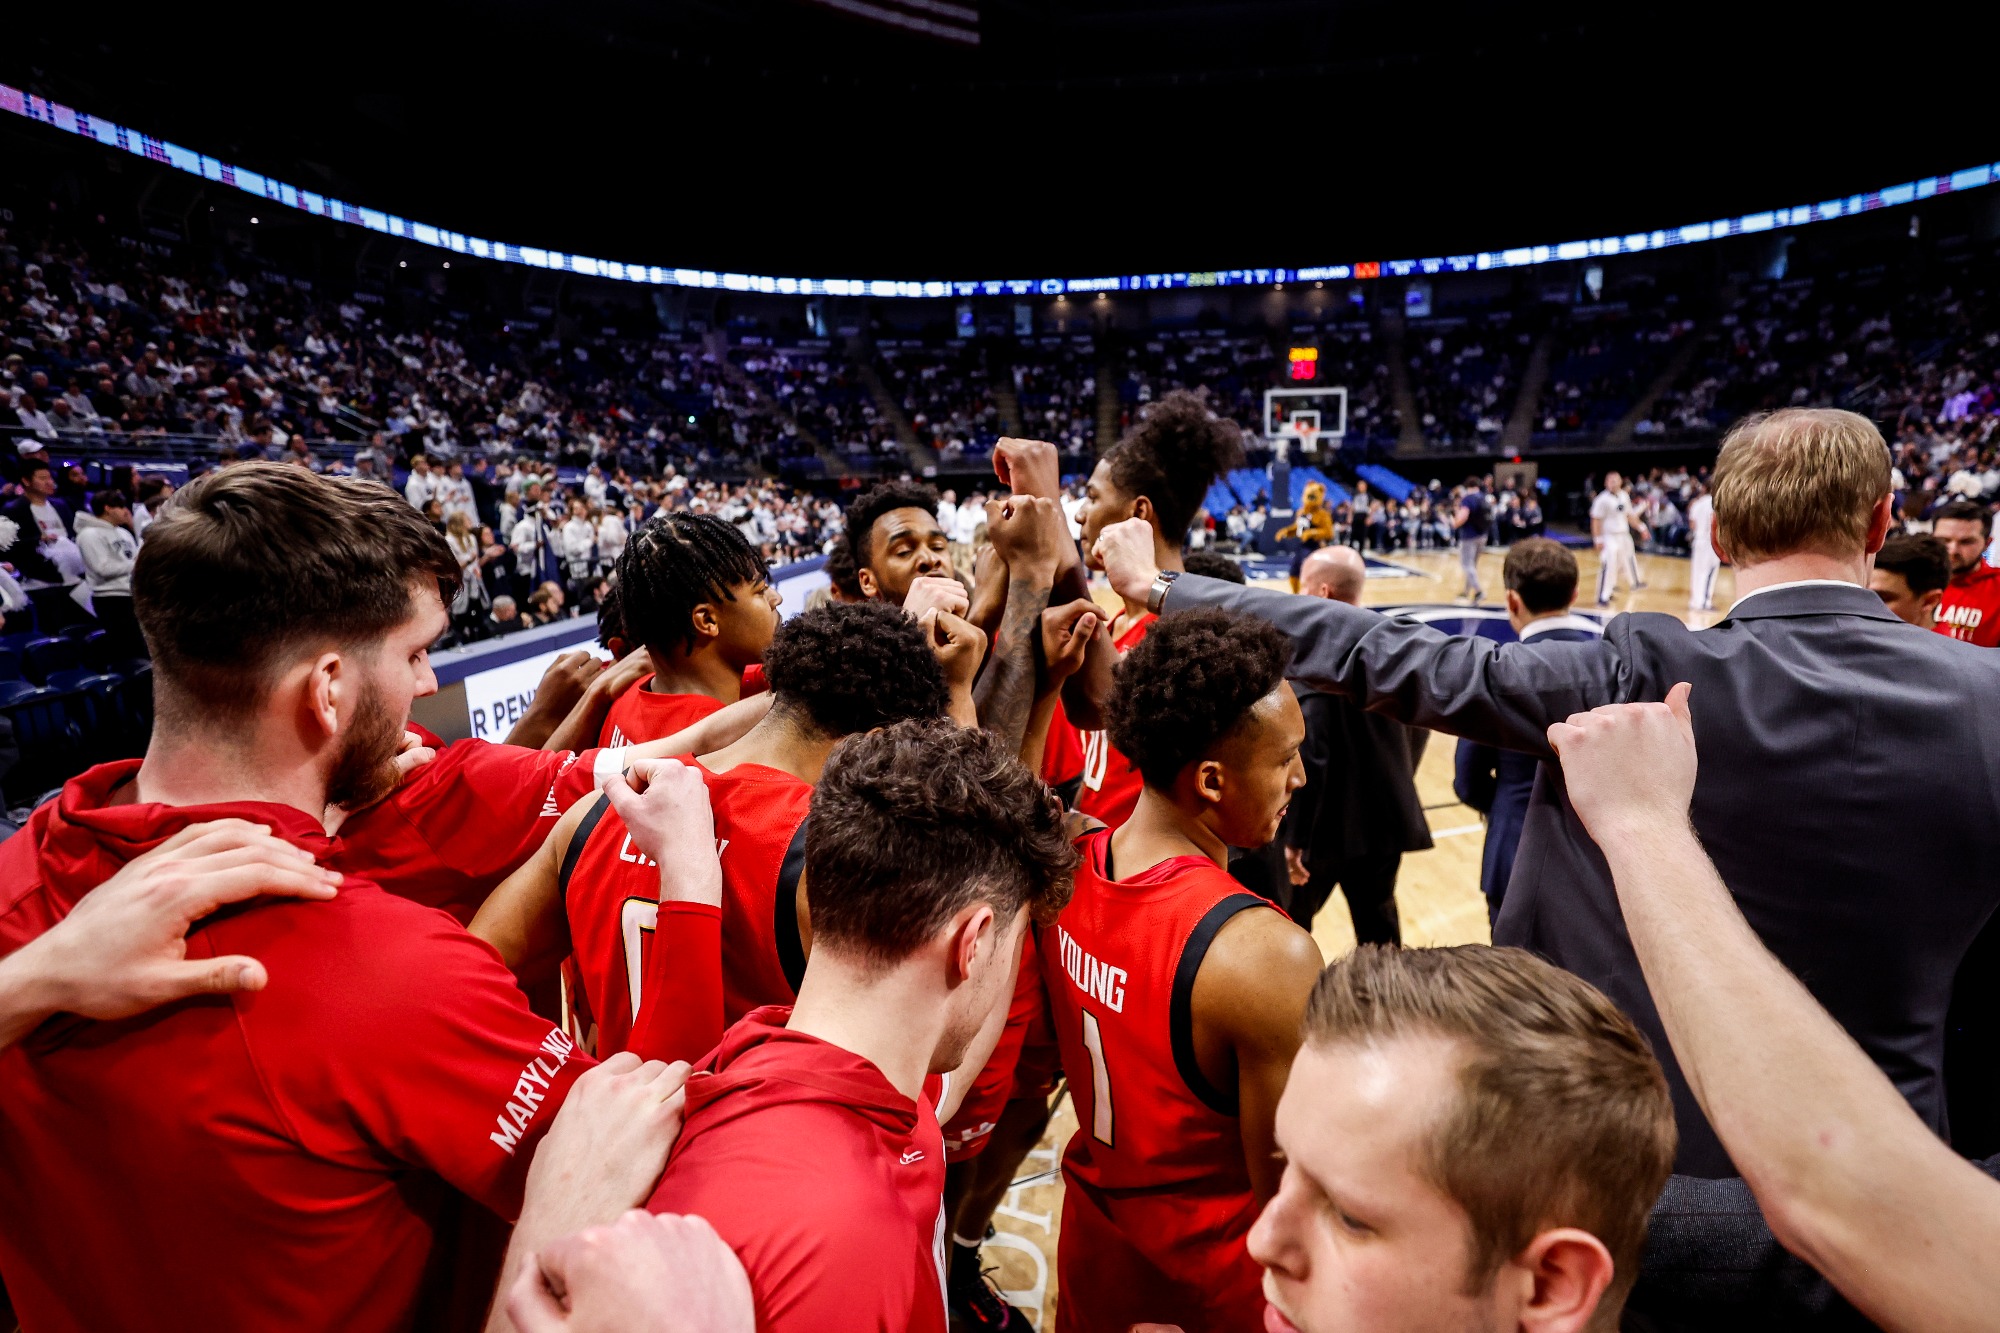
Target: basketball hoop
1308	433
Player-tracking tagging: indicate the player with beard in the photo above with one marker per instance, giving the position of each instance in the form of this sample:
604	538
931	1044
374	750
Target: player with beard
699	599
1971	607
1175	995
1159	472
834	671
901	554
812	1141
277	1162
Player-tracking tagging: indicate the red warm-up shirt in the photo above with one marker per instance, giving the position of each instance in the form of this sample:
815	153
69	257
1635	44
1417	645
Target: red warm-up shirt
826	1181
1971	608
639	715
463	822
1111	785
286	1159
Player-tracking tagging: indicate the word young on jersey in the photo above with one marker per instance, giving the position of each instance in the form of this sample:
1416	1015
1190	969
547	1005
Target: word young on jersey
1099	980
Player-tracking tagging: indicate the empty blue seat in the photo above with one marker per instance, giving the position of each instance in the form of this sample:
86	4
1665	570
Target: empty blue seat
50	740
72	679
77	633
51	654
15	643
11	690
97	649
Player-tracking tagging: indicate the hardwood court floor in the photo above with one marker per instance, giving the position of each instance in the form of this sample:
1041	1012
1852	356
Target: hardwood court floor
1437	892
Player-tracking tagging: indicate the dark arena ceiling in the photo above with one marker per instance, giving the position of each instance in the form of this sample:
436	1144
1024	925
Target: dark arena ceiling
1075	138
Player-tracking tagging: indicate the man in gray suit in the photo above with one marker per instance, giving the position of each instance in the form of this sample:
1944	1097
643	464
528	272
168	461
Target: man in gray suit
1827	727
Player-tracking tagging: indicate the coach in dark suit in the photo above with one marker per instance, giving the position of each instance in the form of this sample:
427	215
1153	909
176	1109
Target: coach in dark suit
1359	810
1829	730
1540	577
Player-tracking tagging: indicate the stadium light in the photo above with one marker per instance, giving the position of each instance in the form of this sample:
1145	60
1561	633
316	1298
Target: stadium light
112	135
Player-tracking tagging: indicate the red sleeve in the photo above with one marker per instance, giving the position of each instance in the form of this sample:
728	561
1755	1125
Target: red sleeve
680	1009
491	805
400	1037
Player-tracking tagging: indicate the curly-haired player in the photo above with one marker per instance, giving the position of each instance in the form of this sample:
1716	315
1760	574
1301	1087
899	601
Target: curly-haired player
698	598
895	539
834	671
1174	994
1159	472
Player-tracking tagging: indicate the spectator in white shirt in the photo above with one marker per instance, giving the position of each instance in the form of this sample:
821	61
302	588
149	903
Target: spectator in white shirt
422	486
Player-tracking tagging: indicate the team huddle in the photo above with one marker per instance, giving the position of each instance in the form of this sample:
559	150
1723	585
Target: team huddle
793	926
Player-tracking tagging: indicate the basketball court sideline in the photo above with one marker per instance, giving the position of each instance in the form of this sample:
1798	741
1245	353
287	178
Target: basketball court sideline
1437	892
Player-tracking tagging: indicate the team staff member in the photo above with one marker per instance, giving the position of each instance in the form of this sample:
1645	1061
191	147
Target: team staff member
1359	811
1175	996
1541	580
1910	575
279	1163
1159	472
1970	610
812	1140
1471	1139
695	595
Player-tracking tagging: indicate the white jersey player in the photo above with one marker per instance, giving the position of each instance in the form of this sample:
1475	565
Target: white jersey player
1612	524
1705	563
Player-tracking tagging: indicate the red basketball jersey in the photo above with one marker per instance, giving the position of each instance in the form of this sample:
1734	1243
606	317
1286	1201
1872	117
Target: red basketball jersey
639	715
1971	607
611	892
1110	784
1157	1159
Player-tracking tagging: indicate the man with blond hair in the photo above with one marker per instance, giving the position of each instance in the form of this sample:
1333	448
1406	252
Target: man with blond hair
1827	731
1471	1139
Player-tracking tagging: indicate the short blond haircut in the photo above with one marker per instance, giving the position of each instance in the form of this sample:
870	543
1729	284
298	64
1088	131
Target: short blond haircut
1805	479
1562	1117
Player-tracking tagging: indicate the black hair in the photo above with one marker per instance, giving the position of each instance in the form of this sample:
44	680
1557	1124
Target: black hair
1969	512
1922	561
1189	683
1213	565
881	499
104	500
610	619
841	572
34	465
671	565
1172	457
851	667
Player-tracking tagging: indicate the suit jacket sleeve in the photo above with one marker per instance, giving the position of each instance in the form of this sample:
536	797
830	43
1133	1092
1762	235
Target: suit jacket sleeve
1505	695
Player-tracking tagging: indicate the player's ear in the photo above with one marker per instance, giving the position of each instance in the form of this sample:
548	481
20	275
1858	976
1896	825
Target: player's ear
1143	508
327	681
1932	600
1208	780
971	925
870	586
707	625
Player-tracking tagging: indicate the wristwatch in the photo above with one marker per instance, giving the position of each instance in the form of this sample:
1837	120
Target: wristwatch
1157	594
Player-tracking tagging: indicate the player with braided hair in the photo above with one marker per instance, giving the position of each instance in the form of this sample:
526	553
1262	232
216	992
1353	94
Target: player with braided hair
698	598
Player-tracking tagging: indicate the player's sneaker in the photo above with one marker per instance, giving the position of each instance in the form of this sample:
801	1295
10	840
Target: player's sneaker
975	1305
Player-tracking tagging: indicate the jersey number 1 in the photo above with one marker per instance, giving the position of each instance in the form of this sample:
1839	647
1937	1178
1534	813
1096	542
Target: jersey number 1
1101	1122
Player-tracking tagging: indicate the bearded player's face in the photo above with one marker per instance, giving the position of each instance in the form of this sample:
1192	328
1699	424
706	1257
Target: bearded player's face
397	671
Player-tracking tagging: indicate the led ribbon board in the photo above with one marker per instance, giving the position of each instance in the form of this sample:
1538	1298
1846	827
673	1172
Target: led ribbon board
81	123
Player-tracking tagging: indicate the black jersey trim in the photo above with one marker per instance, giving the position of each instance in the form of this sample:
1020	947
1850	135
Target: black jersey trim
584	829
1181	1009
785	912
